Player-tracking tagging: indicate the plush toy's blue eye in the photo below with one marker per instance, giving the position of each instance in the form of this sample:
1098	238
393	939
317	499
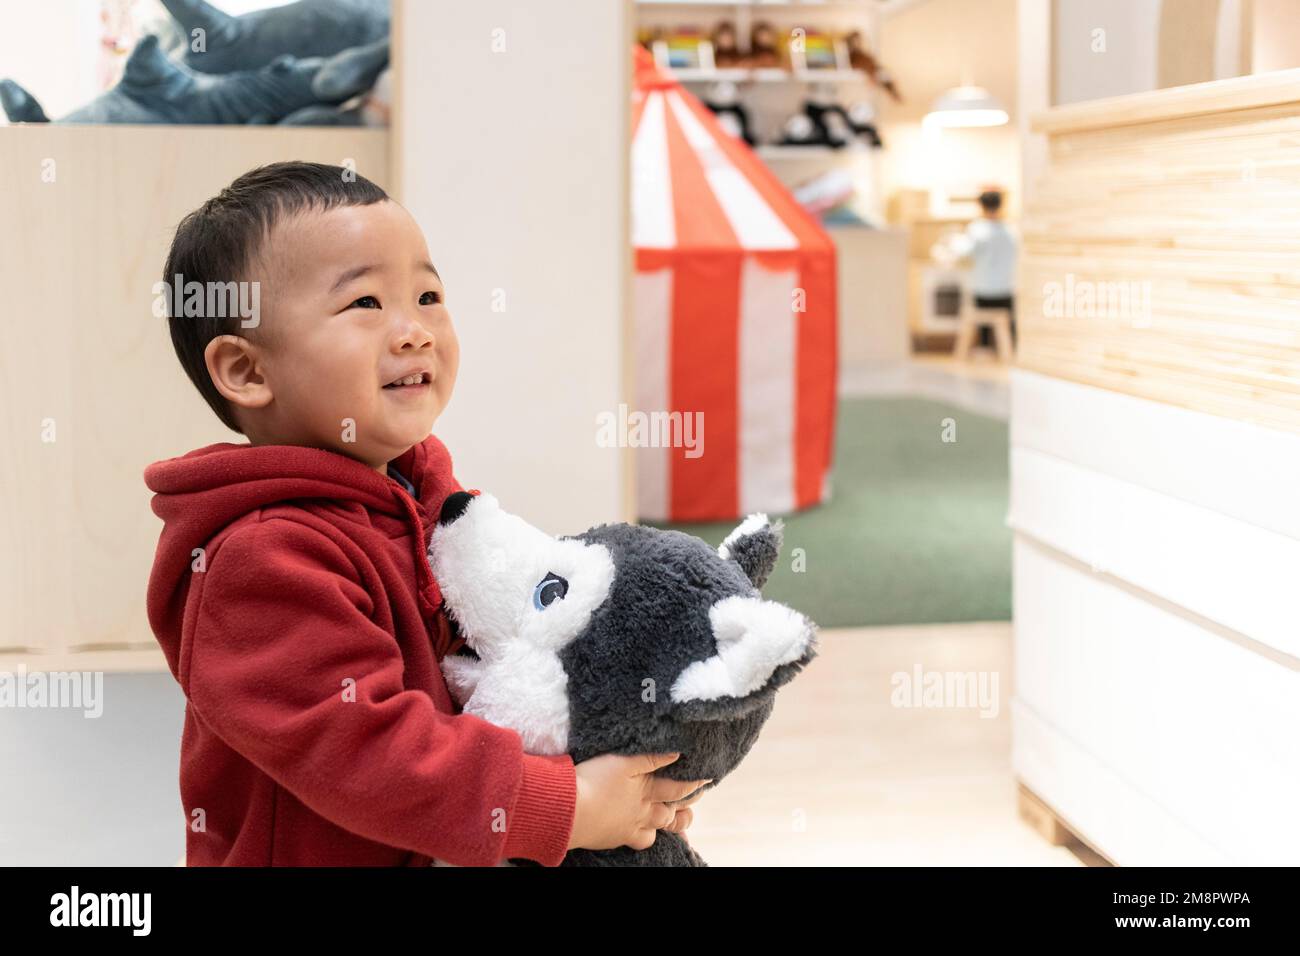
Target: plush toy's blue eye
549	589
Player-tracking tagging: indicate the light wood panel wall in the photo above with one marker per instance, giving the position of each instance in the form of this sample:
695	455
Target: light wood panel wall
1189	200
79	255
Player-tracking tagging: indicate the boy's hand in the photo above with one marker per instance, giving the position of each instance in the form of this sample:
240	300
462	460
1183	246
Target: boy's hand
684	818
621	803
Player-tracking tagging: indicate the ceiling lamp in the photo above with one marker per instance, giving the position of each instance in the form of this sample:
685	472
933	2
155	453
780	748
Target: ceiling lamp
966	106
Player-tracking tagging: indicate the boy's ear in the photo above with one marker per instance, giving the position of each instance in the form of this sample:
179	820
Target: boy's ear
235	368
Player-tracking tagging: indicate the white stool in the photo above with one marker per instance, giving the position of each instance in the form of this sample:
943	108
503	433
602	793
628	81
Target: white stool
971	319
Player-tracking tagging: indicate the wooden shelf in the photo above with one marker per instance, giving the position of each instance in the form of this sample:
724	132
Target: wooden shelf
779	151
768	75
1238	93
763	4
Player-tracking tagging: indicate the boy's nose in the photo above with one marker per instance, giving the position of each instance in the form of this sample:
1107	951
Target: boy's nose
454	506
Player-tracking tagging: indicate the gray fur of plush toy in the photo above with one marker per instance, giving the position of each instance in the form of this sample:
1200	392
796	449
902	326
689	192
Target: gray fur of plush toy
155	89
309	28
622	639
292	64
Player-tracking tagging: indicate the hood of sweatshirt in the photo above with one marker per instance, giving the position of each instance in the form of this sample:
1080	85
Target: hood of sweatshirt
200	493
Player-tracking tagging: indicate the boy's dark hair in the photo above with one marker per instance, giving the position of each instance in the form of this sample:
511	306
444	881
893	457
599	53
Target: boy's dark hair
990	200
219	241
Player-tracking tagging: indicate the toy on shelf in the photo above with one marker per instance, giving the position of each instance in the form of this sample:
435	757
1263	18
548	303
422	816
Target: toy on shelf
307	28
829	118
800	51
685	49
311	62
156	89
818	51
726	47
830	195
861	59
861	117
724	99
764	46
824	122
800	130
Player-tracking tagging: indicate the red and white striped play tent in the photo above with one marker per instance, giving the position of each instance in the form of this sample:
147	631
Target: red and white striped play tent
735	318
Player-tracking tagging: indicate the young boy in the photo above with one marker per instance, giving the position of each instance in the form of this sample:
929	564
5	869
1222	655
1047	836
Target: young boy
992	249
290	590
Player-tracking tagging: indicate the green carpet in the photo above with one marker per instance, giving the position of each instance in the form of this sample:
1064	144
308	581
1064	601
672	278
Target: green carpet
915	530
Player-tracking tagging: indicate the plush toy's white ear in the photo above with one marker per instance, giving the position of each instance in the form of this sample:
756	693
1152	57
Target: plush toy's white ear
754	544
754	637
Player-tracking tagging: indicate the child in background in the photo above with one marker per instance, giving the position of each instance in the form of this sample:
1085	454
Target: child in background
992	250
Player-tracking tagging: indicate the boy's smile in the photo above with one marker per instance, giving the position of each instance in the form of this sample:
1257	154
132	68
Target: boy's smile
357	353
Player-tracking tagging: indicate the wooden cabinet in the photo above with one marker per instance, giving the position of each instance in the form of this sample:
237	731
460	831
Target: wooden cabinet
94	392
1155	435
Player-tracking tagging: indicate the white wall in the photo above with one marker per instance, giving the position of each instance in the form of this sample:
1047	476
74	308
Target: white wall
1113	47
1129	61
514	161
1033	88
52	50
930	48
1276	35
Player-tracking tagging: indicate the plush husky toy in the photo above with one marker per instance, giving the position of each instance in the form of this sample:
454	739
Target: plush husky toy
622	639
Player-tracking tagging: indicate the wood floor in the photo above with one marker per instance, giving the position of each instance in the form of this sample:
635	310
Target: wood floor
841	776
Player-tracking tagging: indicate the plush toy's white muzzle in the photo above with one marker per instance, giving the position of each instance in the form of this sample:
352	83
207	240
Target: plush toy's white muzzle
518	596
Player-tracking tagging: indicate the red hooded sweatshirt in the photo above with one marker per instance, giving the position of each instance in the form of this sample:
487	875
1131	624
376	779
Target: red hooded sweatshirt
291	595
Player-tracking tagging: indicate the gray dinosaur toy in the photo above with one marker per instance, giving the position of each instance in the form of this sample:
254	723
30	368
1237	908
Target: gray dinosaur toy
156	89
622	639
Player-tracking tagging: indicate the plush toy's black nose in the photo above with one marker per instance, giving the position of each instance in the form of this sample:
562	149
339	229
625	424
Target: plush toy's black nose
454	506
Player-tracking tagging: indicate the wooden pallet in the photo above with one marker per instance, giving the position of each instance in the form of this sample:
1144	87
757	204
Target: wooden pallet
1052	828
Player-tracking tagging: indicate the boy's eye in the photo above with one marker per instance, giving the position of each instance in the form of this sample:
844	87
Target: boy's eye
430	298
365	302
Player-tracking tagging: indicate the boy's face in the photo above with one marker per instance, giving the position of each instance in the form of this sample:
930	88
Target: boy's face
352	304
